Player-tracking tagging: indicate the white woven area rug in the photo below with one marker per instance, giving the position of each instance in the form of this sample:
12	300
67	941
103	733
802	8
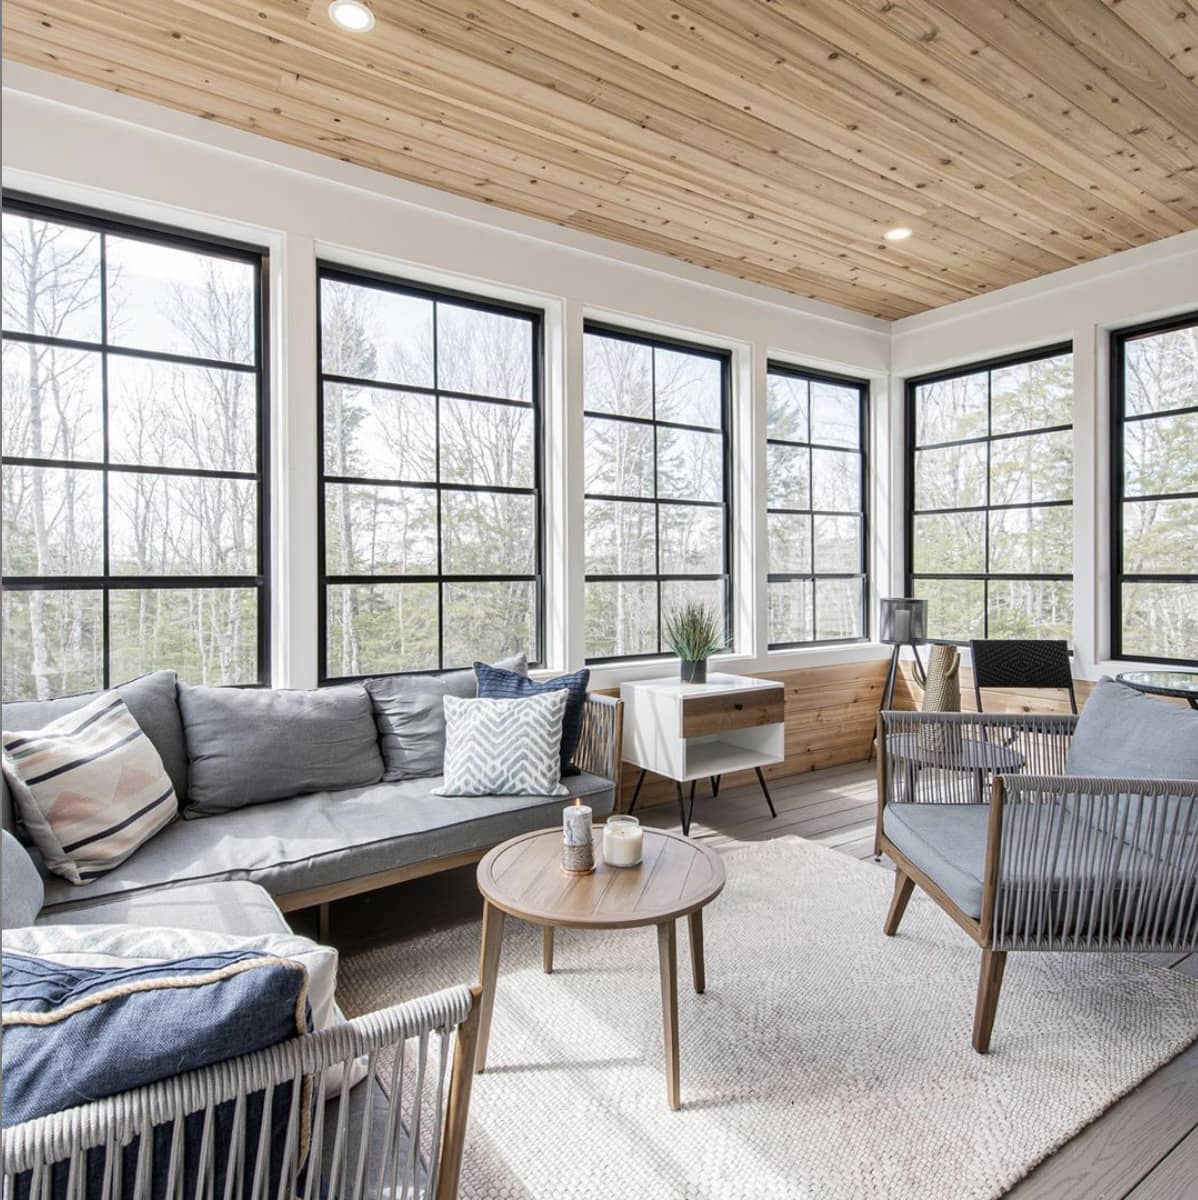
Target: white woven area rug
825	1061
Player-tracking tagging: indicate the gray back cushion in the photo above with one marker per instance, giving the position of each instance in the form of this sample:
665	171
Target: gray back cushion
152	700
22	890
251	745
410	711
1124	734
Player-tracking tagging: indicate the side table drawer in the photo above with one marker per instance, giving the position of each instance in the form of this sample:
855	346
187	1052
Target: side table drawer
743	710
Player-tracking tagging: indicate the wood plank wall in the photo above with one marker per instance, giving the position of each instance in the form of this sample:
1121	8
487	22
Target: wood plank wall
908	694
830	718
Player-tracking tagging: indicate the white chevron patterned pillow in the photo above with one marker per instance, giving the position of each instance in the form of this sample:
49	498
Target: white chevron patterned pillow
504	747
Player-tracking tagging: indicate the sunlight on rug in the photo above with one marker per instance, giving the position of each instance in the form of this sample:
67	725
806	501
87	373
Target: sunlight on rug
824	1061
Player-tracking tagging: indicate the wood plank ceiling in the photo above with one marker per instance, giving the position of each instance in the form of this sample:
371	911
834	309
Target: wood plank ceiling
774	141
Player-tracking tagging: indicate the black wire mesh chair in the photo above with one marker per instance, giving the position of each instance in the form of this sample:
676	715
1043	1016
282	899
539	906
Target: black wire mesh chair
1021	663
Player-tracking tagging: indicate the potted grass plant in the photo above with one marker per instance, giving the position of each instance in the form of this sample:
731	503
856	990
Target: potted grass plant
694	632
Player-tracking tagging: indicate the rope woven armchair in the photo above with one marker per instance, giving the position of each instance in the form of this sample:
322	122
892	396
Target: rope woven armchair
404	1143
1043	860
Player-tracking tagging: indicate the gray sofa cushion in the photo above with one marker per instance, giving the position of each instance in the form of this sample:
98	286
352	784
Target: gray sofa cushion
237	908
1122	734
947	842
251	745
152	701
410	713
309	841
22	887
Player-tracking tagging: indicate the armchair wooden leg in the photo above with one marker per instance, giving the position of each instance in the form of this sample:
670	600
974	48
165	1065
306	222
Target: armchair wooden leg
989	985
904	885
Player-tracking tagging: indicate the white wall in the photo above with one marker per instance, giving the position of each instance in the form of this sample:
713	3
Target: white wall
73	142
1082	304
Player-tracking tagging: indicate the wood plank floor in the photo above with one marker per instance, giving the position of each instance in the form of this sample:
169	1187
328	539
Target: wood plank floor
1145	1147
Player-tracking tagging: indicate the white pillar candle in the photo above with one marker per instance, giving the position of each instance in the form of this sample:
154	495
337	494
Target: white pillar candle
576	825
623	842
902	626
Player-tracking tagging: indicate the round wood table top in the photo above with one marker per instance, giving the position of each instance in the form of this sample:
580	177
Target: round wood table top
523	877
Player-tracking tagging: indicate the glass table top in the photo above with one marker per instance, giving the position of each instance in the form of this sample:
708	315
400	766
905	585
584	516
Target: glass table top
1169	683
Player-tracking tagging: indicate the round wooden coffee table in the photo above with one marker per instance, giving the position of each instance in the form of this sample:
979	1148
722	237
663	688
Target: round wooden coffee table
522	878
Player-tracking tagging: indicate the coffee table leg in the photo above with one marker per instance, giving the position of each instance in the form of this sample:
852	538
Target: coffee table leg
547	948
667	956
698	972
488	976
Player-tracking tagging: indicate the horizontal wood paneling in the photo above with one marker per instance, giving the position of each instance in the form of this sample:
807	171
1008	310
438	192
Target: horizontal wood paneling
774	142
830	714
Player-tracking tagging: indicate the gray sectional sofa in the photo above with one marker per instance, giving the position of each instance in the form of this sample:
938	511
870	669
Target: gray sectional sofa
290	791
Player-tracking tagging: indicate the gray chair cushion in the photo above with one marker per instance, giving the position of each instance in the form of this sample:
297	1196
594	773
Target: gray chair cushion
410	713
1123	734
251	745
234	907
151	699
22	891
310	841
947	842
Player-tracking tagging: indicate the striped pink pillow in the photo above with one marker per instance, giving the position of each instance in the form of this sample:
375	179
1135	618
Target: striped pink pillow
90	788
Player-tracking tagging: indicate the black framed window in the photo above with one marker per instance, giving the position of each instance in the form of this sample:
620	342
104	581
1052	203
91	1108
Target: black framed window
816	436
430	442
1154	484
658	471
990	497
134	453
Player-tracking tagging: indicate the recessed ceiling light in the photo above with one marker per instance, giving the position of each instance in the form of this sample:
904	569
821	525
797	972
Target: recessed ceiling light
354	16
898	234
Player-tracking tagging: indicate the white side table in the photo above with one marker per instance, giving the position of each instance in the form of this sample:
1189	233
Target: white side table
692	731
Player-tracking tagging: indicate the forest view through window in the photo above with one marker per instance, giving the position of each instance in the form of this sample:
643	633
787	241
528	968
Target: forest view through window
133	489
431	510
1154	431
815	514
656	438
990	505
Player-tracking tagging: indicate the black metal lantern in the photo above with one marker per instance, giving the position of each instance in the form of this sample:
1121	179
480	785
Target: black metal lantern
904	621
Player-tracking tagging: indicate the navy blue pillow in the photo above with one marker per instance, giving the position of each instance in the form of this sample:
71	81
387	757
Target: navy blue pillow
494	683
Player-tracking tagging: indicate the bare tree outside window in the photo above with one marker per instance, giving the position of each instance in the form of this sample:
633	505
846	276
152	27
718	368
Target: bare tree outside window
815	507
1155	455
990	533
656	486
430	432
132	480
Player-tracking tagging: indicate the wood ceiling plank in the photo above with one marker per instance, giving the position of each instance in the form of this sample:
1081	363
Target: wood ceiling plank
257	110
455	62
874	110
1170	27
1016	35
1000	251
1122	55
1004	211
933	55
774	142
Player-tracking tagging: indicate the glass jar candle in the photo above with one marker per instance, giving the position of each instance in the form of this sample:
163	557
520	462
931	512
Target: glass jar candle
623	842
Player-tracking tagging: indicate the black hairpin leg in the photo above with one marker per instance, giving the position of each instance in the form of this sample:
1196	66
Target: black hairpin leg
683	817
766	792
920	673
636	791
715	786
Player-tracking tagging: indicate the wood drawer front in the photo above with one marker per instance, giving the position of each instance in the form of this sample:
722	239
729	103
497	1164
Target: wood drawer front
743	710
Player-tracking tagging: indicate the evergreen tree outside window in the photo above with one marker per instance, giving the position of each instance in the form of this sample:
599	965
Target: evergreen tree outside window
657	464
1154	475
134	454
430	531
816	507
990	497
